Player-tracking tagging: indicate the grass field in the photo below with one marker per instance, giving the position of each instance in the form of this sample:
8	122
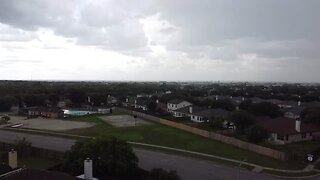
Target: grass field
166	136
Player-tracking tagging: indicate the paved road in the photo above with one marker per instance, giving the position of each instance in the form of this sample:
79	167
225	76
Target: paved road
188	168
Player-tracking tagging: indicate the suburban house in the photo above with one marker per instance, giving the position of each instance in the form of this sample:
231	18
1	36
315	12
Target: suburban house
187	111
237	100
141	103
48	112
64	103
111	100
129	102
175	104
199	114
283	104
293	113
285	130
161	107
202	116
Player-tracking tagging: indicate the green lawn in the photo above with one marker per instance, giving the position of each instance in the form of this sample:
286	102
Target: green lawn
300	149
36	163
166	136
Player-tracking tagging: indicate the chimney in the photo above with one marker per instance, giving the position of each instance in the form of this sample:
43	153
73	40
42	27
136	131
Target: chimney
190	109
13	160
88	169
298	125
157	101
127	99
299	103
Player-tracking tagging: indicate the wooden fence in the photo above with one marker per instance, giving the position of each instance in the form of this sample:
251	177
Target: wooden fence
214	136
37	152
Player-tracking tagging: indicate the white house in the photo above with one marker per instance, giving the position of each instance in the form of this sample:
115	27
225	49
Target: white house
175	104
200	114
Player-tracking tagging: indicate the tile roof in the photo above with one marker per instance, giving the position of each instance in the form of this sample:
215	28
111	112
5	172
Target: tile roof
295	110
213	113
286	126
175	101
186	109
204	112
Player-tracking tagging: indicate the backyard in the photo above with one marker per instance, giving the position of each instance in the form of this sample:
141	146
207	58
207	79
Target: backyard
157	134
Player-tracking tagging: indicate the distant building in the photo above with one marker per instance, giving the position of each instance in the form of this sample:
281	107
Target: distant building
45	112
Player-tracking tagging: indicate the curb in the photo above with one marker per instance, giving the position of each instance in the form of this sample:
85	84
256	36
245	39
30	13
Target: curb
288	177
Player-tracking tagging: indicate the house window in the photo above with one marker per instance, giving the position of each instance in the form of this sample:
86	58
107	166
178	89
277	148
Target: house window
287	137
303	135
280	137
192	117
310	134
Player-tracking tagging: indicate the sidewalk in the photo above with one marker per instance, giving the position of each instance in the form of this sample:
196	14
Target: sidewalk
257	168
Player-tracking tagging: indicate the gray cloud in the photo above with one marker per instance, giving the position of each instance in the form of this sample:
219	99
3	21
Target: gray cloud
258	40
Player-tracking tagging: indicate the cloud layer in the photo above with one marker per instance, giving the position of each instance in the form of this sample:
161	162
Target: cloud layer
207	40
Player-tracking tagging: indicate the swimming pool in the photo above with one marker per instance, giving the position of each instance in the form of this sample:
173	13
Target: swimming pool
77	112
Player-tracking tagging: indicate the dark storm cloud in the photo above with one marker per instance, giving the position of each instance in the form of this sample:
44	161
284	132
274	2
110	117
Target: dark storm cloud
102	24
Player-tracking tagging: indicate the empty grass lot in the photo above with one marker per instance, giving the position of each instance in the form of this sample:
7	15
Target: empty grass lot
167	136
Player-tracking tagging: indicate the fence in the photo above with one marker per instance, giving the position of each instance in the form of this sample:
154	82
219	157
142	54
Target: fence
37	152
214	136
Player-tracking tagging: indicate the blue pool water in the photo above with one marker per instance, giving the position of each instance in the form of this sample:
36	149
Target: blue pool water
77	112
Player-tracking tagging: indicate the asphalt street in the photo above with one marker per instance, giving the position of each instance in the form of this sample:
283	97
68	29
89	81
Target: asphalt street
188	168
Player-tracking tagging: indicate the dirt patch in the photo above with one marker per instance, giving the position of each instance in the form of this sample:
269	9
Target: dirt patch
48	123
124	121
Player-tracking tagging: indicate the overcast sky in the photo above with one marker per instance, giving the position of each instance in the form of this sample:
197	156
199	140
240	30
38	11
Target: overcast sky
197	40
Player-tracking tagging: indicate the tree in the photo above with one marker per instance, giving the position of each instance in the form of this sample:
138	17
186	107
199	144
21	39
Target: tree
152	106
6	103
257	134
161	174
23	147
34	100
215	123
265	109
223	104
311	114
242	120
97	99
77	96
54	98
110	156
244	105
